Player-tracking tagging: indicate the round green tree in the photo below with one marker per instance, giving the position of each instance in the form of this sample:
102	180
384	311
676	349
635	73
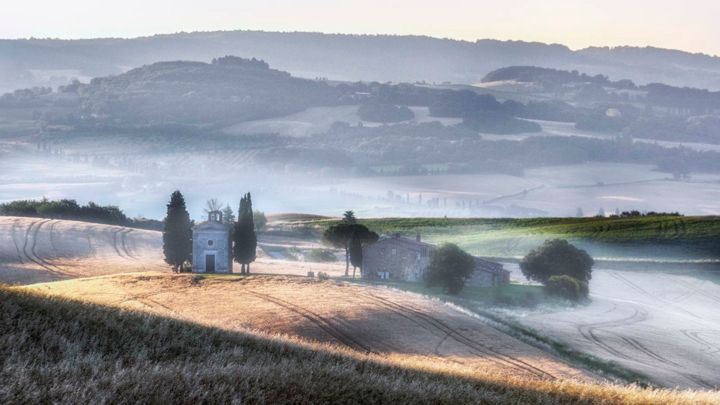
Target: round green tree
557	257
449	267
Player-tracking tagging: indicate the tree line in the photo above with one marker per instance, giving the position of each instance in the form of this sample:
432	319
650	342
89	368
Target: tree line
72	210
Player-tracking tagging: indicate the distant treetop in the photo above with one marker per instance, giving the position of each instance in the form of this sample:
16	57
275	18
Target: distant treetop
238	61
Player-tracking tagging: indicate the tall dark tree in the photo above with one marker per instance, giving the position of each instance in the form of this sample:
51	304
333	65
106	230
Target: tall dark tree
244	236
340	235
177	233
361	237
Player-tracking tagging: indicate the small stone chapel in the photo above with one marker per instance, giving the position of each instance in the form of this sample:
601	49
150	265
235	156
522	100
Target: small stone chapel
212	245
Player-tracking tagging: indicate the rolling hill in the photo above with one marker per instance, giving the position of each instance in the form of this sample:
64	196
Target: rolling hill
55	348
35	250
33	62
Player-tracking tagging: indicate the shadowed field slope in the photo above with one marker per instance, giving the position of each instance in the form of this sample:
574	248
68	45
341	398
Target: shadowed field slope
366	319
59	350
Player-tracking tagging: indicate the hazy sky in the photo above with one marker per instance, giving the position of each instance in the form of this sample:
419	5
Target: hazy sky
689	24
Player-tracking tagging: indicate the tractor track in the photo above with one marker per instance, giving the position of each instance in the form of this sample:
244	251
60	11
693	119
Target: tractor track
146	296
28	248
124	244
115	245
588	331
643	291
34	246
699	381
642	348
699	290
56	251
17	248
694	335
323	323
423	320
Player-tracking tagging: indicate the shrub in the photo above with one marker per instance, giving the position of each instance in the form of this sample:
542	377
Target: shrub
323	276
567	287
260	220
321	255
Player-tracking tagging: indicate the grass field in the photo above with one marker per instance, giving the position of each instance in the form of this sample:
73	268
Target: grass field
661	237
58	349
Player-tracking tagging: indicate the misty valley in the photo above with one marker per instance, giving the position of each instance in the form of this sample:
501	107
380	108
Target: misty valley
562	143
419	221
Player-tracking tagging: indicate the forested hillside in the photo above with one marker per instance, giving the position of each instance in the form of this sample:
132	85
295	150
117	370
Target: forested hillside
52	62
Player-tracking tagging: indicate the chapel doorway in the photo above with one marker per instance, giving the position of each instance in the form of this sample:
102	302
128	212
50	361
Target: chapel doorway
210	263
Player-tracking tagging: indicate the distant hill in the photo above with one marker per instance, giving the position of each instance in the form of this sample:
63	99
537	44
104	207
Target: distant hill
33	62
167	93
183	97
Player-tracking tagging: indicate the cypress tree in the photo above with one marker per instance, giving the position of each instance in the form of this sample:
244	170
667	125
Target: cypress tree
244	237
177	233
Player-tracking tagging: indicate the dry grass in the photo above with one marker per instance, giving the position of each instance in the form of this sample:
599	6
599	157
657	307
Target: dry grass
364	318
59	350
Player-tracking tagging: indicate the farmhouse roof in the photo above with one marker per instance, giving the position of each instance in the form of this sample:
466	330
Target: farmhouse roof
409	243
487	265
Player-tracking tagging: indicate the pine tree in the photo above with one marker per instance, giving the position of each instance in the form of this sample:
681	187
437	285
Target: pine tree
177	233
228	214
349	217
244	237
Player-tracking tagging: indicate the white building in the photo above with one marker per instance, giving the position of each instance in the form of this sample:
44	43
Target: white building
212	245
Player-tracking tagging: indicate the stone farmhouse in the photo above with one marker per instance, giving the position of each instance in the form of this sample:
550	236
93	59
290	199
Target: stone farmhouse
212	245
405	259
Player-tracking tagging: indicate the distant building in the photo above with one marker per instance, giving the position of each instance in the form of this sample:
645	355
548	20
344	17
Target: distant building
396	258
404	259
212	245
488	274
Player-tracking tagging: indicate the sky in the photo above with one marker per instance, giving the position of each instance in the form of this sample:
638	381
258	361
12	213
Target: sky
690	25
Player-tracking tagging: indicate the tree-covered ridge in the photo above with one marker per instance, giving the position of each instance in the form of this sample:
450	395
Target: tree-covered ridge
71	210
549	75
352	57
179	97
229	88
653	94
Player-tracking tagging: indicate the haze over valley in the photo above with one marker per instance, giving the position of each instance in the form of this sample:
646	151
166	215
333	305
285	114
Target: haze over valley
283	216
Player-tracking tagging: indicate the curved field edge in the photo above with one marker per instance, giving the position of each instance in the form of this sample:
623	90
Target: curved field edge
653	228
60	350
655	238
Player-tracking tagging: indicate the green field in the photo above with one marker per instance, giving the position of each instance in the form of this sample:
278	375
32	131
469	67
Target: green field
641	238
